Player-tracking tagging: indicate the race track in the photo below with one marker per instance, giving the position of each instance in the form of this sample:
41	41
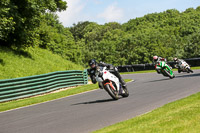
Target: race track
93	110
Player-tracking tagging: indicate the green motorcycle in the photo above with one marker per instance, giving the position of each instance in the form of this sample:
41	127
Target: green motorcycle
162	67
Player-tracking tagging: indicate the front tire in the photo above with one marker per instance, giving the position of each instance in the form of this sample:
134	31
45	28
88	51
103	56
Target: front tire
189	70
169	75
111	92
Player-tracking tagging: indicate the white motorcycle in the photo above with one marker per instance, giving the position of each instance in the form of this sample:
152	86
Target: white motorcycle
110	83
184	67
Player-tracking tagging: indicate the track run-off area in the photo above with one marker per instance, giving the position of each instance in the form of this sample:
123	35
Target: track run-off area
94	110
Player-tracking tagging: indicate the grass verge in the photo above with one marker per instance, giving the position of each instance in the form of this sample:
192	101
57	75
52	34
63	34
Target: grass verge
32	61
47	97
150	71
145	71
181	116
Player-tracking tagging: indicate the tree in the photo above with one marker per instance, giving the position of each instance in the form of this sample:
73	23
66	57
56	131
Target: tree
78	29
20	19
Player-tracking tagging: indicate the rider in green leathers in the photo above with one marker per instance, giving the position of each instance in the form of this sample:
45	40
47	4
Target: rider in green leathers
156	60
162	66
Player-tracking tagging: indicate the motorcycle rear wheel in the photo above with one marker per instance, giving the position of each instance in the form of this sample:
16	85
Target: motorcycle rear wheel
179	71
126	93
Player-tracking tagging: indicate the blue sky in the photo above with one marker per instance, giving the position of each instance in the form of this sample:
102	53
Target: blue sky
104	11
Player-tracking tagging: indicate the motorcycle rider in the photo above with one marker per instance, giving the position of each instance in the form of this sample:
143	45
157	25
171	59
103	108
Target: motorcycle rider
93	66
157	59
178	63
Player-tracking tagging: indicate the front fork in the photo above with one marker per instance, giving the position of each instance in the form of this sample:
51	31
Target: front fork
110	84
171	72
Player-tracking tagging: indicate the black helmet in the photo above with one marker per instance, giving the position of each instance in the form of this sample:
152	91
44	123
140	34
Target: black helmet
91	62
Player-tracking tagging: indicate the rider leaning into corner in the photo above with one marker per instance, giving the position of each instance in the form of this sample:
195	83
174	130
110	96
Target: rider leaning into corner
157	59
93	66
178	63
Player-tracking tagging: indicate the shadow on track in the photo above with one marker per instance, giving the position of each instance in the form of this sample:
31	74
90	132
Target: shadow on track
179	76
96	101
159	80
188	75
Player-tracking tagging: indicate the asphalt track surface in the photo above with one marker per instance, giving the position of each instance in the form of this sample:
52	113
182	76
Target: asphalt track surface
93	110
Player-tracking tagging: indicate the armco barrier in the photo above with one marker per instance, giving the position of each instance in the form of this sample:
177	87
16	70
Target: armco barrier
11	89
139	67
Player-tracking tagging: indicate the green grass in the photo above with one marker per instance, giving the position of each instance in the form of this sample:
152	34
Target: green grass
33	61
39	99
195	68
145	71
47	97
150	71
127	80
182	116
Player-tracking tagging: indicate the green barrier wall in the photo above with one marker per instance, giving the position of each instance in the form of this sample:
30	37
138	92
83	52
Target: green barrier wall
11	89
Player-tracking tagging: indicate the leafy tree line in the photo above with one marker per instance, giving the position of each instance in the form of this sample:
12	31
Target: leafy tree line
168	34
20	19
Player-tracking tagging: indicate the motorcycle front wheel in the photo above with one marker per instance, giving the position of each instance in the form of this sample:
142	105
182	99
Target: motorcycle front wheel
113	93
189	70
168	73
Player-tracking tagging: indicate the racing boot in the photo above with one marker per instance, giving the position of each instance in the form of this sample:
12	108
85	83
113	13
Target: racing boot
123	83
116	73
124	87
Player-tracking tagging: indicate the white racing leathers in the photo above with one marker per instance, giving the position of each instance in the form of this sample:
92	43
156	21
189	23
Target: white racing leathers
183	66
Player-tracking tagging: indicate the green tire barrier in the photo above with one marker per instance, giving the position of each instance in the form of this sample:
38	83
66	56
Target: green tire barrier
12	89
